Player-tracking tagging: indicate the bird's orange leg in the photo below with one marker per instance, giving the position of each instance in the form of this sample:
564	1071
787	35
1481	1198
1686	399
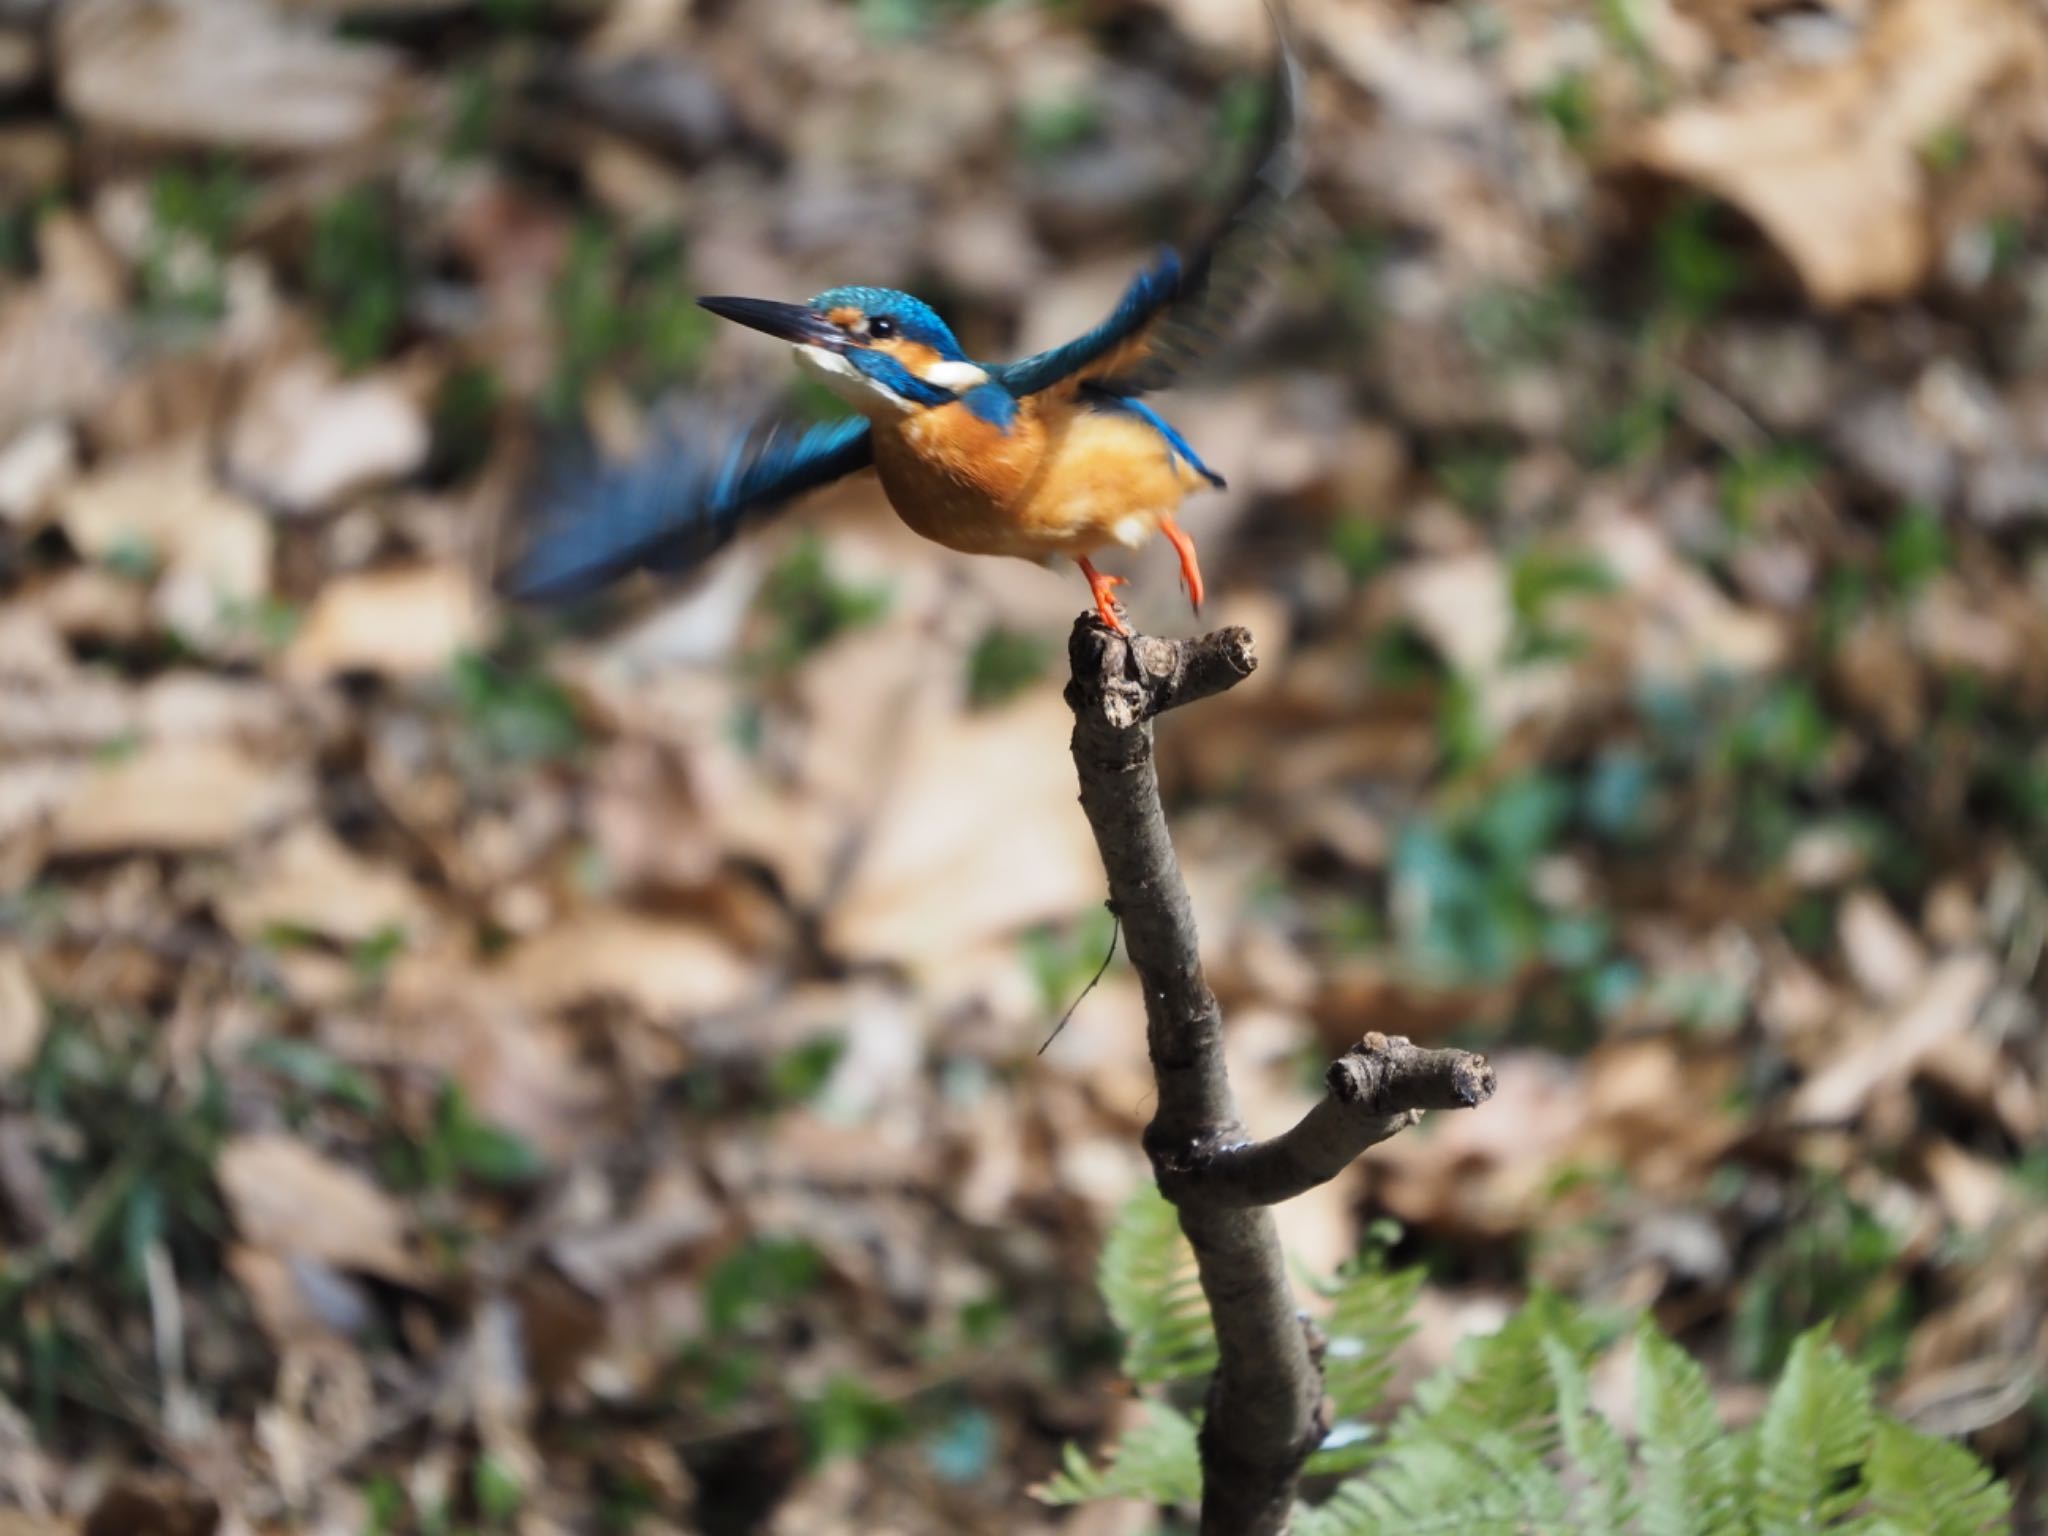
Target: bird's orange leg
1104	588
1190	567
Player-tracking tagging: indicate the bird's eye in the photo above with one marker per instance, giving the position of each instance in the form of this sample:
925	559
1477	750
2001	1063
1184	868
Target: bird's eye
881	327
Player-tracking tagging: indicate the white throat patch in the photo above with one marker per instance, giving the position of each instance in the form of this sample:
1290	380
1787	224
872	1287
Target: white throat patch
956	374
847	382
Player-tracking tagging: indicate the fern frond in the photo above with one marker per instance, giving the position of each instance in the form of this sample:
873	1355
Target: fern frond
1598	1456
1502	1380
1368	1319
1505	1440
1918	1485
1812	1440
1345	1449
1488	1486
1148	1281
1157	1460
1471	1454
1690	1485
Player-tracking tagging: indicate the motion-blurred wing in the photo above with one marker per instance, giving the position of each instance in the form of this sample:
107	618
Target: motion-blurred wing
1176	312
673	506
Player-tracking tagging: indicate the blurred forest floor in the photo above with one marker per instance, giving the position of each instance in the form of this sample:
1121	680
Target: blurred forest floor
470	1072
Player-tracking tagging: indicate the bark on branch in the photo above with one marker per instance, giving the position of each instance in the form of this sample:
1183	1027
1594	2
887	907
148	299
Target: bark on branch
1380	1086
1265	1406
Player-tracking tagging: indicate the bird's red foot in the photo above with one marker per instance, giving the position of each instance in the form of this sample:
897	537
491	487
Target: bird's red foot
1104	588
1190	567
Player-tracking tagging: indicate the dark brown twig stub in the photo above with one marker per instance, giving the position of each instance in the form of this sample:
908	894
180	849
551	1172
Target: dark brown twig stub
1264	1411
1378	1087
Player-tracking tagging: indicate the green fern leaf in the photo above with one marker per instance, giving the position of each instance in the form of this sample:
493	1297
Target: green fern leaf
1148	1281
1598	1455
1157	1460
1690	1483
1485	1486
1918	1485
1812	1440
1505	1441
1344	1450
1471	1453
1368	1319
1502	1380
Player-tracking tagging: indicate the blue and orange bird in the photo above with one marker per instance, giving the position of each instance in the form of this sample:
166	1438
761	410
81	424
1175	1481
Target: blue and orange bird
1055	455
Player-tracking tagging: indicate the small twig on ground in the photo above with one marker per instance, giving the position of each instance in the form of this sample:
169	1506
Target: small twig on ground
1265	1406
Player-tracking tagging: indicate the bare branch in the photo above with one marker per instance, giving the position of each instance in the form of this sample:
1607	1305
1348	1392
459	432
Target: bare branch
1265	1407
1378	1087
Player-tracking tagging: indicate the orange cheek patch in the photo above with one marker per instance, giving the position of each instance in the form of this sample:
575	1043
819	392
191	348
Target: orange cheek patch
914	355
845	315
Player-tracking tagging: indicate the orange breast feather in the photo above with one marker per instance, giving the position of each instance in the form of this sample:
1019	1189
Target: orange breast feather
1062	481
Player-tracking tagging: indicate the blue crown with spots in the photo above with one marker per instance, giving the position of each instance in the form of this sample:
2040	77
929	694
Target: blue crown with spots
914	319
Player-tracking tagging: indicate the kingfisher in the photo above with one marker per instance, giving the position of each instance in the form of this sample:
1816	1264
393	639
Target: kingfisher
1049	457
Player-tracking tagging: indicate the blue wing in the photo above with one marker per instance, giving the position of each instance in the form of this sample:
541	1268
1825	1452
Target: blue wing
1175	312
673	506
1150	292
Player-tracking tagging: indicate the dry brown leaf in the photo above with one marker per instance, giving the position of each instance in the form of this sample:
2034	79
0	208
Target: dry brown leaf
88	603
790	831
1462	604
181	797
1943	1006
190	705
441	1017
807	1150
986	1167
214	547
644	821
309	439
223	72
81	268
1794	1002
22	1019
1097	1049
1971	1190
1319	1228
56	359
20	62
1686	628
30	650
981	836
1884	955
1828	160
288	1199
296	1300
1656	1111
668	969
1489	1171
30	794
308	880
404	622
1957	630
74	713
675	1211
1378	45
47	702
33	468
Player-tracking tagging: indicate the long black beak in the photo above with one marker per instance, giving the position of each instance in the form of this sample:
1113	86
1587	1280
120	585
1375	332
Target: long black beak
788	322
